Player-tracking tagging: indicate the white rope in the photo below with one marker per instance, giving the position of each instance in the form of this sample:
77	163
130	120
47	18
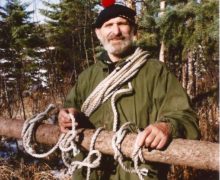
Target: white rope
27	133
66	143
116	145
114	81
92	160
136	155
109	87
113	100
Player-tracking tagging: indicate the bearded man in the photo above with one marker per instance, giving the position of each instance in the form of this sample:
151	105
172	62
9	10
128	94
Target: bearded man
156	103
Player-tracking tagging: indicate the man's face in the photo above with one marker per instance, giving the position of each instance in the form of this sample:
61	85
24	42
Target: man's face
116	35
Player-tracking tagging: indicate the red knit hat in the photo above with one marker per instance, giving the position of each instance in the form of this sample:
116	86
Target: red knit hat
112	10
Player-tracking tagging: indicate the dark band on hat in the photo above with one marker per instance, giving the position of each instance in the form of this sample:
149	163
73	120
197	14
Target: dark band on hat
115	10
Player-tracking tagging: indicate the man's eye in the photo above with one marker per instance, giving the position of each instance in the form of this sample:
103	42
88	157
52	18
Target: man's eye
108	25
123	24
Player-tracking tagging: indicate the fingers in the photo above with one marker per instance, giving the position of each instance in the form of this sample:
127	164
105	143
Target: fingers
150	138
162	143
143	135
64	119
155	136
64	129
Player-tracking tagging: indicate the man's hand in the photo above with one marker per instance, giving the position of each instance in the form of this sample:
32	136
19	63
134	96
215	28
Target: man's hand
64	120
155	135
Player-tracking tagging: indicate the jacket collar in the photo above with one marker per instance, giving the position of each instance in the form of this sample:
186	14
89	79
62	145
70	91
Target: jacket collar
105	61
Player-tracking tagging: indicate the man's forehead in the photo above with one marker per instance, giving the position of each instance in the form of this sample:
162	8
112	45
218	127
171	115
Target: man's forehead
116	20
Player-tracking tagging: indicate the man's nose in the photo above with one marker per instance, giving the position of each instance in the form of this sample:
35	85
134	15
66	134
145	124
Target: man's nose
116	29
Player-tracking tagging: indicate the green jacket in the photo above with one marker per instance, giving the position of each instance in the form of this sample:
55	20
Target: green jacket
157	96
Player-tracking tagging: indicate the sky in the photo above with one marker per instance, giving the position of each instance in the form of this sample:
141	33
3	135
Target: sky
35	5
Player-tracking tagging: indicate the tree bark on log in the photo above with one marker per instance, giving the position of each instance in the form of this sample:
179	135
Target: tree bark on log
197	154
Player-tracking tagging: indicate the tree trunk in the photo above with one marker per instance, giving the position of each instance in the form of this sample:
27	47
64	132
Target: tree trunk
8	102
93	46
162	52
184	75
191	75
91	31
85	37
74	72
162	47
197	154
20	97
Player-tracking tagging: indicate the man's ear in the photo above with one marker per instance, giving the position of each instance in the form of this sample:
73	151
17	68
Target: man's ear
97	31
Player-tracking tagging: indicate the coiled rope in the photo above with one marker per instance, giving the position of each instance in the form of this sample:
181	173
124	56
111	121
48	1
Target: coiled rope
114	81
109	87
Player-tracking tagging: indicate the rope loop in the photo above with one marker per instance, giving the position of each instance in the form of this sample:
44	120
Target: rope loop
68	141
113	103
27	132
92	160
136	154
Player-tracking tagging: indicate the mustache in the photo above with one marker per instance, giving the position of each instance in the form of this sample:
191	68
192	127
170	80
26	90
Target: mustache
116	37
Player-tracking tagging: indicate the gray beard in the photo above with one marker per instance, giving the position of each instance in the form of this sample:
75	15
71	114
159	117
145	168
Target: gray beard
118	49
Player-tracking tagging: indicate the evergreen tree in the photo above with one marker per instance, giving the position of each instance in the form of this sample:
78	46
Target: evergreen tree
190	31
18	38
184	26
69	31
148	36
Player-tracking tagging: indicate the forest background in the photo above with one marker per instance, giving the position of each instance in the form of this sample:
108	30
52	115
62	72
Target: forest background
39	62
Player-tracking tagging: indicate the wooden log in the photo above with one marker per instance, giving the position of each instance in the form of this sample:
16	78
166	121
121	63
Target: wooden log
197	154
